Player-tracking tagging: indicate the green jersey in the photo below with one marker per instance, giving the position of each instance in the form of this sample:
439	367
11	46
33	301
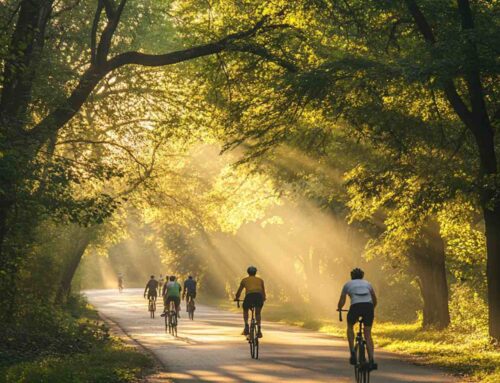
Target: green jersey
173	289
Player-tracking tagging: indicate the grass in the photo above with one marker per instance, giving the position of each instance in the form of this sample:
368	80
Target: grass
78	351
462	352
112	363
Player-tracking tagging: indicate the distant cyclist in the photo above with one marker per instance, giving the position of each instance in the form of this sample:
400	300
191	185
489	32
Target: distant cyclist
363	303
151	288
172	293
255	295
120	282
161	282
189	290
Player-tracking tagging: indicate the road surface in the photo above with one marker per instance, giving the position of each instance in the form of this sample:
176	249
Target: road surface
210	349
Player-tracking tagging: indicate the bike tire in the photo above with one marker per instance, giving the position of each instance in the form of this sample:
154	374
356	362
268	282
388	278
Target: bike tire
364	372
356	366
256	347
174	324
166	323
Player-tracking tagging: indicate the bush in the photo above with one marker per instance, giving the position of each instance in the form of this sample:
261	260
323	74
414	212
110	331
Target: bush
468	311
49	344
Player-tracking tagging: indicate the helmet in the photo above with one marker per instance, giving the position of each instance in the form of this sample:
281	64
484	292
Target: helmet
190	276
357	273
252	270
152	276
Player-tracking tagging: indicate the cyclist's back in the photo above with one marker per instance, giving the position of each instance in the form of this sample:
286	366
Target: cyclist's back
252	284
190	286
151	288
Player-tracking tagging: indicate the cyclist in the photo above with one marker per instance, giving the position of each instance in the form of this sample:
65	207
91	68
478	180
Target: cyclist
151	288
161	282
189	290
172	292
363	303
255	295
120	281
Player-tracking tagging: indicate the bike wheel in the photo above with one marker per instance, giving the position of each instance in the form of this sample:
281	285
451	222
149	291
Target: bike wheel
252	336
256	347
174	324
363	371
166	322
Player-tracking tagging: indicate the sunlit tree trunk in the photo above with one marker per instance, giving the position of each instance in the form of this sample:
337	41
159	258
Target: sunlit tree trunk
80	239
427	262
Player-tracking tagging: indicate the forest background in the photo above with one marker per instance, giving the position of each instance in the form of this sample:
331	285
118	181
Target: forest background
199	137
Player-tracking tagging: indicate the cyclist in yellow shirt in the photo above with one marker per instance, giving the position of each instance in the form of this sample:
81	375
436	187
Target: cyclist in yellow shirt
255	295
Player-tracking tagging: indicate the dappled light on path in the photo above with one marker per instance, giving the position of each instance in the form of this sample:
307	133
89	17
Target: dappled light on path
210	349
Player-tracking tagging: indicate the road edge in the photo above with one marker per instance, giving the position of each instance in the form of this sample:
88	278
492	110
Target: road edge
160	370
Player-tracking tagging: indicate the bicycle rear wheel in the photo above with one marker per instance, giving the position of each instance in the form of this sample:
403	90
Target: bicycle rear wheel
256	347
363	371
174	324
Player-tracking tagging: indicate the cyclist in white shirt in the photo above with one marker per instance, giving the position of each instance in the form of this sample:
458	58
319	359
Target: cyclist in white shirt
363	302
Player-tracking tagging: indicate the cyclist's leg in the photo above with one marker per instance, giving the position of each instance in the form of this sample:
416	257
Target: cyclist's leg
246	308
352	318
369	342
368	317
177	302
258	316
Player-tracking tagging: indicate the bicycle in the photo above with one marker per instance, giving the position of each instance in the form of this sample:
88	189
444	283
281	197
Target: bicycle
190	306
151	306
252	337
361	368
171	319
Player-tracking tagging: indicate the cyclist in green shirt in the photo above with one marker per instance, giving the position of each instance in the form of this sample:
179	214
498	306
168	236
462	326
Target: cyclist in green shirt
172	292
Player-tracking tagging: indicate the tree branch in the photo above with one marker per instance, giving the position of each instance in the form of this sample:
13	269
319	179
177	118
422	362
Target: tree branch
95	73
109	31
449	88
93	34
421	22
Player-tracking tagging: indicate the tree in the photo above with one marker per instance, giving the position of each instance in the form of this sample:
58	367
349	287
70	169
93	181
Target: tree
26	129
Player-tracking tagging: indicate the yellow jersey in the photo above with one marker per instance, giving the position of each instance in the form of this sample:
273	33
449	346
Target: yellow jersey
252	284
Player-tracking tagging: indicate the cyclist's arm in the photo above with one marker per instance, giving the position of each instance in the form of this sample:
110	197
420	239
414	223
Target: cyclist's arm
374	297
342	300
146	289
238	293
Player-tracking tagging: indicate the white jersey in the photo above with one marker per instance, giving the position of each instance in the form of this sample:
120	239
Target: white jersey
359	290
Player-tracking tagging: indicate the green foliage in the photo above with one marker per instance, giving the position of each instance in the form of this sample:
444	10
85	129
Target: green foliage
48	344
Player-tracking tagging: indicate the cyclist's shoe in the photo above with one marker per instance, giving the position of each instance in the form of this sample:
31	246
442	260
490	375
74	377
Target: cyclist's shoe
246	330
259	334
372	365
163	314
352	359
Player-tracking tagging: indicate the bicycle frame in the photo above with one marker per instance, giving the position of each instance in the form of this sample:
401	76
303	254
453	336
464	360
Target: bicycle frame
253	339
361	371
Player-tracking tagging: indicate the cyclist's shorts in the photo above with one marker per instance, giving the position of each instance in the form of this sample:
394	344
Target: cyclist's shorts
176	300
191	294
364	310
152	294
253	299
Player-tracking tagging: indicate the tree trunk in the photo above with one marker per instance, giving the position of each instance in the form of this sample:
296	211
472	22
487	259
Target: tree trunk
428	264
492	224
80	242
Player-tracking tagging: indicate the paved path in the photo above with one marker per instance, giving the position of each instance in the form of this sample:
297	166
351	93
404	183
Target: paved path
210	349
